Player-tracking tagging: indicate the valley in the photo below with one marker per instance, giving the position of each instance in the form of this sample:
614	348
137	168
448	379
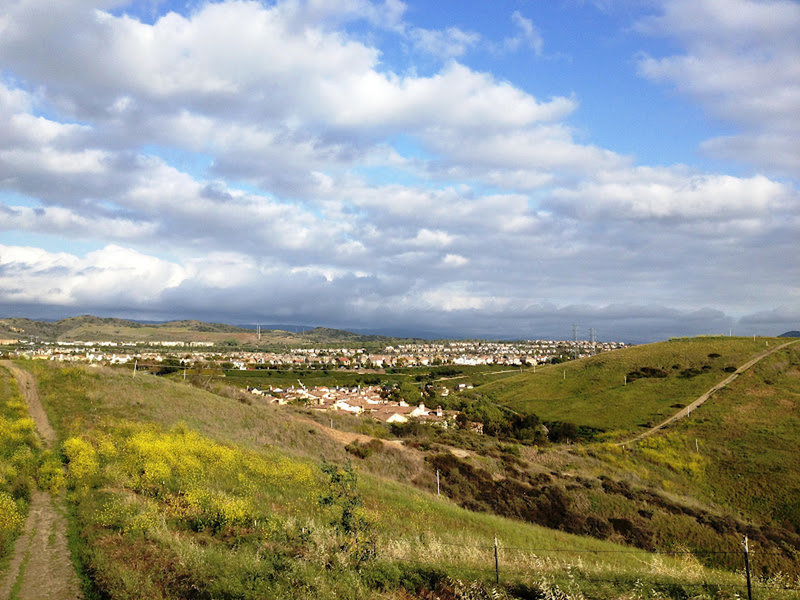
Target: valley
198	489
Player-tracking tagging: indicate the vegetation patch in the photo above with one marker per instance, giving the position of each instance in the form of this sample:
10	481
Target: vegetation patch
24	465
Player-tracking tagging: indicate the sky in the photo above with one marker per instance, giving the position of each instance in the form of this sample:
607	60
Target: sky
469	168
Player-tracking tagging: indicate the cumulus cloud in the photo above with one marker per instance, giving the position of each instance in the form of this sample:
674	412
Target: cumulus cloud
742	63
677	193
111	276
225	160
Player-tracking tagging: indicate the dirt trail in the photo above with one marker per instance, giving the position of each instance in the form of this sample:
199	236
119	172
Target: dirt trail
685	412
29	391
40	565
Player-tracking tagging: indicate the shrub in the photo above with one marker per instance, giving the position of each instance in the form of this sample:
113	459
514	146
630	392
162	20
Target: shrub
50	474
11	518
363	450
646	372
83	467
356	533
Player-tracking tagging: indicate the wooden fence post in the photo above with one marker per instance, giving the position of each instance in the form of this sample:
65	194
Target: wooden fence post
496	563
747	568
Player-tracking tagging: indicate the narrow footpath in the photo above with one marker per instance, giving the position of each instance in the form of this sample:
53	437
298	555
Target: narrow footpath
40	566
685	412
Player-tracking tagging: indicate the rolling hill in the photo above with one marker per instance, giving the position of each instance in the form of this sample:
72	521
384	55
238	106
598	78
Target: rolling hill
623	391
178	492
98	329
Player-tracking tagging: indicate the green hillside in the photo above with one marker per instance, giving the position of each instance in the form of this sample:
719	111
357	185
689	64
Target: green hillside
180	493
747	439
177	492
593	391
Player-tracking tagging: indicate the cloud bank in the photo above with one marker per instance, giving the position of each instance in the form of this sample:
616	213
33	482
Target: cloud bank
262	162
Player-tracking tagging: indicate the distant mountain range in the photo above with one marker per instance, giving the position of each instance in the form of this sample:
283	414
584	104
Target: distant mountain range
790	334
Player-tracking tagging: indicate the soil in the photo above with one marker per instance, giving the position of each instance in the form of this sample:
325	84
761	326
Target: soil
40	566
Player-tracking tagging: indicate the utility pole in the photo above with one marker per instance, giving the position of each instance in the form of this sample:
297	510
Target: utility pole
438	490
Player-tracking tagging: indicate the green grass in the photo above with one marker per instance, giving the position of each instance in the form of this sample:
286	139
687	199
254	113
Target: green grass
592	391
747	438
335	377
176	491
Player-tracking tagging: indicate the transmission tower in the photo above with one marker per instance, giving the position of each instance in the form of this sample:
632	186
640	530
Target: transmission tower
575	339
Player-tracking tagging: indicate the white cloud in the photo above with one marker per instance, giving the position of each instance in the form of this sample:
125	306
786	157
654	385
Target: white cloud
432	238
528	34
742	63
450	43
243	141
113	275
454	261
676	193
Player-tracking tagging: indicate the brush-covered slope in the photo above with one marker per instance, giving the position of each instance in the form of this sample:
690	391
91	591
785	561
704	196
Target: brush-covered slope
623	391
180	493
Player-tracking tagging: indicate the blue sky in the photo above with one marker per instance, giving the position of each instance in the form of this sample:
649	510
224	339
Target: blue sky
493	169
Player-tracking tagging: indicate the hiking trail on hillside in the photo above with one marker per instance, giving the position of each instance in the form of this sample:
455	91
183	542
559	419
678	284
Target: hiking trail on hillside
686	411
40	566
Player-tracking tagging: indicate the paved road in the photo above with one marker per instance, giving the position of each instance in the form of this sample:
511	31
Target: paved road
685	412
40	566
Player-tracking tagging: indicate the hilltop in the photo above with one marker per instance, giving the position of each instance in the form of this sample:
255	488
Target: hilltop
98	329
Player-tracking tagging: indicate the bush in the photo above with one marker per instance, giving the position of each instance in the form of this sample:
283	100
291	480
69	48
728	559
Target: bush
11	518
83	467
645	373
363	450
356	533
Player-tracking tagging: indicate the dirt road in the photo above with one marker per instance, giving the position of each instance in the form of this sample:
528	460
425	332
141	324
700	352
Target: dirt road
685	412
40	565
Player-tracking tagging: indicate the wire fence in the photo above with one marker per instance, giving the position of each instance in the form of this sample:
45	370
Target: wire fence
496	560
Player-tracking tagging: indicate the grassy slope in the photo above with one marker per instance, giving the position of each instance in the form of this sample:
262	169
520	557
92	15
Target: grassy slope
414	527
333	377
748	436
594	393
